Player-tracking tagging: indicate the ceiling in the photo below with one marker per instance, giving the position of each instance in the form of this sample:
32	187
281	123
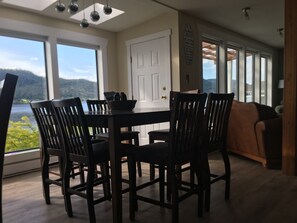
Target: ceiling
266	16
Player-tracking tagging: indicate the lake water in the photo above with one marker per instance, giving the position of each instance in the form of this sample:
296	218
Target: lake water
20	110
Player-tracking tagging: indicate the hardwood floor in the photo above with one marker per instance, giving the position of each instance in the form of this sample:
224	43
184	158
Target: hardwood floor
257	195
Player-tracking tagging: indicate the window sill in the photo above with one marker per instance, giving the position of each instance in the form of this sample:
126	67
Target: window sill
21	162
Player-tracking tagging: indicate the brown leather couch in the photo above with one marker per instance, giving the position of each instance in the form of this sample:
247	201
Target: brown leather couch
255	131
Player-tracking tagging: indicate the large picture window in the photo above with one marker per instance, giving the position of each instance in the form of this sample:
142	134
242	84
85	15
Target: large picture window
249	76
210	66
26	59
77	72
263	79
232	71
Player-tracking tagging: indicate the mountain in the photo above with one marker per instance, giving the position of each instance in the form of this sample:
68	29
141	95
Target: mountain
32	87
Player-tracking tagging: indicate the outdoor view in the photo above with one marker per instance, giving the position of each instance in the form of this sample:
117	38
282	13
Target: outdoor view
26	58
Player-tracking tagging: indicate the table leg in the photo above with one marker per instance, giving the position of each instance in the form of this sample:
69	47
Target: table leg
116	168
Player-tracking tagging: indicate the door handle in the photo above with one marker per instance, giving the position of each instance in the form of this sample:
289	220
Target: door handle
163	97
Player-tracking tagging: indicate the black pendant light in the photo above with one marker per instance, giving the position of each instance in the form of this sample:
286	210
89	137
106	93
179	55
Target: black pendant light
107	9
73	7
60	7
84	22
94	14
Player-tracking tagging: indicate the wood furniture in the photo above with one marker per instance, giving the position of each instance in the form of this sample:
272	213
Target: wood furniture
51	147
115	120
216	124
185	136
51	144
79	148
7	90
163	134
101	132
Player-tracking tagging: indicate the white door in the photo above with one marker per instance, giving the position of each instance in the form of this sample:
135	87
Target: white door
151	83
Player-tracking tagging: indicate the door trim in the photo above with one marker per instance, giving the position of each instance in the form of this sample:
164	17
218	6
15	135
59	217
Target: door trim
163	34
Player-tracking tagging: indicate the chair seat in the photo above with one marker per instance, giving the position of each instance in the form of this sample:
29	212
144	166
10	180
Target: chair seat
153	153
161	134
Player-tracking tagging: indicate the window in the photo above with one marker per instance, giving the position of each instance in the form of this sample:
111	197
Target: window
77	72
249	76
232	71
210	66
25	58
263	78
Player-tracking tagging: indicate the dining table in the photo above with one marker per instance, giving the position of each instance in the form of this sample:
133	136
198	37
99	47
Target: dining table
115	120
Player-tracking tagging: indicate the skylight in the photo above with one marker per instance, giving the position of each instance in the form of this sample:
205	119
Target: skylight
99	7
39	5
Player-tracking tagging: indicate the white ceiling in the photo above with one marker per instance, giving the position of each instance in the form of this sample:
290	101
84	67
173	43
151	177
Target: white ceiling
266	16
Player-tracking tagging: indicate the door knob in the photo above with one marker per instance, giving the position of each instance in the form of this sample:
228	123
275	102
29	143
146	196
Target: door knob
163	97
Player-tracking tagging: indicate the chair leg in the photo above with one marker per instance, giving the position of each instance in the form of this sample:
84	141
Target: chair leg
45	176
90	195
152	172
132	187
174	194
105	172
227	173
207	186
66	185
161	182
136	142
152	166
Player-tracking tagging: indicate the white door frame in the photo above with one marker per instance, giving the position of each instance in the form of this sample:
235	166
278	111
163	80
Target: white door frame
163	34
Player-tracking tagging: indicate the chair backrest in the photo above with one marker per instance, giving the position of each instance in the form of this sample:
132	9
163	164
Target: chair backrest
49	131
98	105
7	90
216	120
186	124
71	119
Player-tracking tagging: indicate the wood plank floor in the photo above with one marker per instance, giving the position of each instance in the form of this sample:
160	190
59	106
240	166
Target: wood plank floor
257	195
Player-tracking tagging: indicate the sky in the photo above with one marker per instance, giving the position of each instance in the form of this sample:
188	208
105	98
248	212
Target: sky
29	55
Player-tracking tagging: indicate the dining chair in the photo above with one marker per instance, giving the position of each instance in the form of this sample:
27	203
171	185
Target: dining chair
102	132
183	146
163	134
7	90
80	148
52	153
216	124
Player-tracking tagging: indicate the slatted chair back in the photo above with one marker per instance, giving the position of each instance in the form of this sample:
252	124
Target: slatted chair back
48	127
75	132
7	90
186	125
217	116
216	123
98	105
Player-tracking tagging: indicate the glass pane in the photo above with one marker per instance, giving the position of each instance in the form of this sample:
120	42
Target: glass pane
263	80
78	72
232	71
26	59
209	69
249	77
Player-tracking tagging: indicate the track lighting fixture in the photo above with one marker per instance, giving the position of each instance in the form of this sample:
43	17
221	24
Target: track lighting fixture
245	12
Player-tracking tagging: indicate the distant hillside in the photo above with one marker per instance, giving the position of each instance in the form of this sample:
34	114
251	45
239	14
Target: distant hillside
31	87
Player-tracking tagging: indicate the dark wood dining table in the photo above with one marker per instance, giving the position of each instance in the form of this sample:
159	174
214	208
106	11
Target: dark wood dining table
115	120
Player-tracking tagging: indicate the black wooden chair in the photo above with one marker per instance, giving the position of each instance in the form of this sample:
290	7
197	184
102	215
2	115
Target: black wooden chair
216	123
51	147
163	134
183	146
7	90
102	132
80	148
